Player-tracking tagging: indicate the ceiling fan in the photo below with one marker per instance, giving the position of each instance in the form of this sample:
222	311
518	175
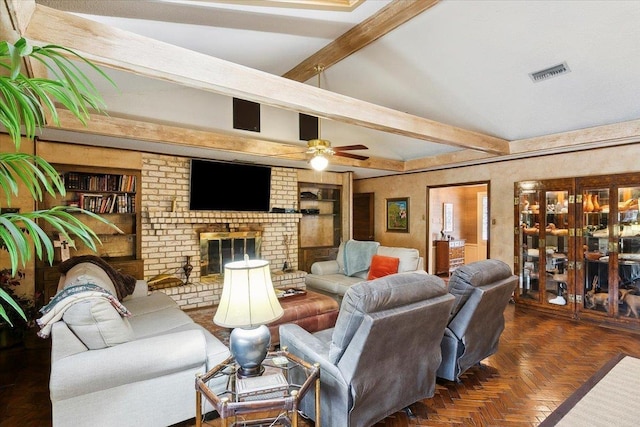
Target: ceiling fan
320	148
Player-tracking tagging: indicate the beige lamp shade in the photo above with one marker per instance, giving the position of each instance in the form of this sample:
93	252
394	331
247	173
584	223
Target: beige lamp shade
248	298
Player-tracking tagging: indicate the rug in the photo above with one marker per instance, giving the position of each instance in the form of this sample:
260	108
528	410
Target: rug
204	318
609	398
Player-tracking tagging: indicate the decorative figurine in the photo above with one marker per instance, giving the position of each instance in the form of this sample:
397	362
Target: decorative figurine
187	270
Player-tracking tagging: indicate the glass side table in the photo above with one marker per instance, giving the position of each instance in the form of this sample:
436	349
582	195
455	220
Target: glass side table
286	380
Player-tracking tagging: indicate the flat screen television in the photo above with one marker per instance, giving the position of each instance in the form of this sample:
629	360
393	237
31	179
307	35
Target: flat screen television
220	186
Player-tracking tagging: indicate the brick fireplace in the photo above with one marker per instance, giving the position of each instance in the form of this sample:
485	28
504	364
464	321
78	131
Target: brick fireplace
171	232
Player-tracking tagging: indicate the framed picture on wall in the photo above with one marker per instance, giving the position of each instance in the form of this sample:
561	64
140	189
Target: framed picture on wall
398	215
447	217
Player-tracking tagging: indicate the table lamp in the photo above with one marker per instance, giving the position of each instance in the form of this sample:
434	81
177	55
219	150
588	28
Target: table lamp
247	303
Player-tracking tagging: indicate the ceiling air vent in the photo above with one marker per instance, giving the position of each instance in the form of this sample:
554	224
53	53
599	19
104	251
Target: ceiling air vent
550	72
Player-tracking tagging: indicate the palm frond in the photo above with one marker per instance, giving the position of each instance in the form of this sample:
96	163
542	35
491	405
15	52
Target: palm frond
24	100
34	172
19	230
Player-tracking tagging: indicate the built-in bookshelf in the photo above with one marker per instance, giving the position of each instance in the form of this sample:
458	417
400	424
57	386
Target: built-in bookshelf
110	193
321	223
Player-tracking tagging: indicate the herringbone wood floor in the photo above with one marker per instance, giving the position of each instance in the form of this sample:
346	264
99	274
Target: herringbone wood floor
540	362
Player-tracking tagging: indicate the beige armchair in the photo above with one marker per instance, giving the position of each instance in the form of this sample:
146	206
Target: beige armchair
482	290
383	353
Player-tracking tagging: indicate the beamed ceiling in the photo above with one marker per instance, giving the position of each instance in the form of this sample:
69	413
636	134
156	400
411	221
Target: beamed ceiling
423	84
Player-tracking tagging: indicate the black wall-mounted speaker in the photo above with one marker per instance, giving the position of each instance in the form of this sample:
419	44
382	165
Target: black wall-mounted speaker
308	127
246	115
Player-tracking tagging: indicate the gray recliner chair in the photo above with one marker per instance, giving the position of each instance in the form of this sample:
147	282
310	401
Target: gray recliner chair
482	290
382	354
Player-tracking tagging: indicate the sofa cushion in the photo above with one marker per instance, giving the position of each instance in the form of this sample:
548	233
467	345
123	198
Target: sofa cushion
97	323
382	266
154	302
158	322
81	274
384	293
336	284
409	257
123	284
357	256
465	279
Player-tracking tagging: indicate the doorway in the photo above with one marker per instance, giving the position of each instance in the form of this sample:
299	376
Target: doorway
363	216
459	213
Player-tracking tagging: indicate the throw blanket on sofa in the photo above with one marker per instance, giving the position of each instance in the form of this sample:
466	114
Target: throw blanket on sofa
124	283
64	299
357	256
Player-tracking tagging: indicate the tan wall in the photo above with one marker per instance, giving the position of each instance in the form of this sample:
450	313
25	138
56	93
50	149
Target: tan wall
502	176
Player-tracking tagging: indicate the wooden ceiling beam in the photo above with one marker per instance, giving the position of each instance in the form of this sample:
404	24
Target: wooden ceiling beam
186	137
387	19
340	5
130	52
616	133
445	160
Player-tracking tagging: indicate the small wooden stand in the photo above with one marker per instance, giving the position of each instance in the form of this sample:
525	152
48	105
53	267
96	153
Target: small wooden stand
229	406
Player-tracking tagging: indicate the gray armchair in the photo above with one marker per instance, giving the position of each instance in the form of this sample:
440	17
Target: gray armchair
382	354
482	290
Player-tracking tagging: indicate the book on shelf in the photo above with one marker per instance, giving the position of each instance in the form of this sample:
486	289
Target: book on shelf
102	204
100	182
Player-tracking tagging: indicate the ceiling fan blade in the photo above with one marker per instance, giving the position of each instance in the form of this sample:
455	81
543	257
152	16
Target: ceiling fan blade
350	147
350	155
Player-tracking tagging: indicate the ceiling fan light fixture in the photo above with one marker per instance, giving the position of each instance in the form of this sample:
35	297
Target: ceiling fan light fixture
321	146
319	162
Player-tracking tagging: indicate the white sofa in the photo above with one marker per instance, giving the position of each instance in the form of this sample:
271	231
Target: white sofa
330	277
110	370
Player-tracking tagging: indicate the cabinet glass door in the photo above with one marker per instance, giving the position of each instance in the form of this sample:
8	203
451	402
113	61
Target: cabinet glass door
557	248
528	245
594	251
628	259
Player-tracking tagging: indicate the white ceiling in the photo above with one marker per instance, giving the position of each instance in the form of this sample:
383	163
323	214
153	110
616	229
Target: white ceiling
462	63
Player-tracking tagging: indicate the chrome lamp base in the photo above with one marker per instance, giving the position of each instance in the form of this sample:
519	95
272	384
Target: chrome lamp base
249	347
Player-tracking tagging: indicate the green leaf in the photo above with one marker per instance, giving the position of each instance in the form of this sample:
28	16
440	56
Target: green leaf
7	298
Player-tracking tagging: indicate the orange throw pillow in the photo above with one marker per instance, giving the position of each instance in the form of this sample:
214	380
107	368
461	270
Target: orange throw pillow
382	266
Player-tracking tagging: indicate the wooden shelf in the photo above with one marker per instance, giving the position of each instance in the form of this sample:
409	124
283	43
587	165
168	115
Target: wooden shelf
116	186
319	233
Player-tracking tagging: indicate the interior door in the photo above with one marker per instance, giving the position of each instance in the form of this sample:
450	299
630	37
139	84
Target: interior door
363	216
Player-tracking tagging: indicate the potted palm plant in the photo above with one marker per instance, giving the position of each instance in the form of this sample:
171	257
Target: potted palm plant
25	103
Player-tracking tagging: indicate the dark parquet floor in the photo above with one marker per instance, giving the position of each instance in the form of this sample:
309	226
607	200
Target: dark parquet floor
540	362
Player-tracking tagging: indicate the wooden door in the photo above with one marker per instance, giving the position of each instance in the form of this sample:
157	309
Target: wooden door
363	217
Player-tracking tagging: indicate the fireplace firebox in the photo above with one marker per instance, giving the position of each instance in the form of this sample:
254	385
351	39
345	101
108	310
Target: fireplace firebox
220	248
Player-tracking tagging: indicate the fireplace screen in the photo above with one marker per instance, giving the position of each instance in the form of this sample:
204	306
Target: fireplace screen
218	249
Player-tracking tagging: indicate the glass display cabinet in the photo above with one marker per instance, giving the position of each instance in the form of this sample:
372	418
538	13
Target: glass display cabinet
577	247
545	255
610	247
